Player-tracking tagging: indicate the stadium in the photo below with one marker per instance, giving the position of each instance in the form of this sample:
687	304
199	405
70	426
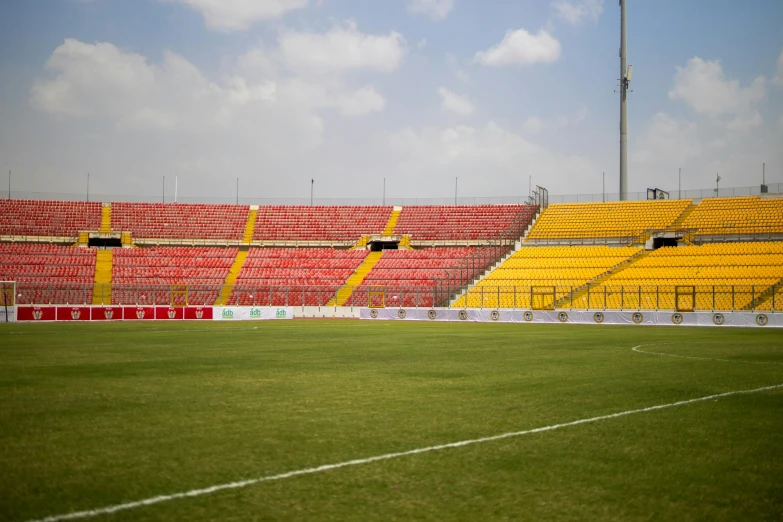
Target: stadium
544	357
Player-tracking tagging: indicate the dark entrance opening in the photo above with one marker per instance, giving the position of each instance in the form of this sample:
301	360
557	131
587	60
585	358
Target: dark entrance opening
659	242
105	242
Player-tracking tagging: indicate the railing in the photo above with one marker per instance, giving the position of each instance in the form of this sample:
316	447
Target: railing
697	194
425	295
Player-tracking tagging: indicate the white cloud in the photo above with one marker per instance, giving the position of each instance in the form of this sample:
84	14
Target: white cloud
235	15
421	44
452	102
668	140
454	66
778	79
532	125
521	48
575	12
703	85
470	152
435	9
341	49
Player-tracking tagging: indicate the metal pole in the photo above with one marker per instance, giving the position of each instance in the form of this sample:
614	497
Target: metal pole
623	107
237	191
164	189
176	187
384	192
603	187
312	185
717	185
763	176
9	184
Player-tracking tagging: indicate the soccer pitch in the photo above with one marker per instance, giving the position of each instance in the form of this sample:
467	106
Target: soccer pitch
104	415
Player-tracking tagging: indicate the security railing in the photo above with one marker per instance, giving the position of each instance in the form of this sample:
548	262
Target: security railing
424	295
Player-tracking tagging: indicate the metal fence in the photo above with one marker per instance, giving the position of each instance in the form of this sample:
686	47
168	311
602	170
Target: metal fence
697	194
426	294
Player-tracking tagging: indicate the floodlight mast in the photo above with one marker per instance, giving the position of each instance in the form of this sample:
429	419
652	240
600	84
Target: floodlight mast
625	79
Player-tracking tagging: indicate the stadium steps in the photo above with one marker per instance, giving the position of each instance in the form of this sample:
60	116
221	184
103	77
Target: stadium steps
677	225
105	219
231	278
362	243
101	292
395	215
127	240
458	301
250	226
579	293
405	243
766	296
356	279
84	239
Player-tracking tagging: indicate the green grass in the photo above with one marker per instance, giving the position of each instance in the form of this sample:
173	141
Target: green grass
95	415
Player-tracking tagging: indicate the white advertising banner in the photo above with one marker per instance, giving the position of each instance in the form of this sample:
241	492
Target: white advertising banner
251	313
643	317
7	314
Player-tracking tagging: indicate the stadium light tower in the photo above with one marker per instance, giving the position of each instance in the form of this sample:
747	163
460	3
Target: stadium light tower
625	80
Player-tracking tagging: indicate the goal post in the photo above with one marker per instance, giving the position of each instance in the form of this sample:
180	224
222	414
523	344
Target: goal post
376	297
7	301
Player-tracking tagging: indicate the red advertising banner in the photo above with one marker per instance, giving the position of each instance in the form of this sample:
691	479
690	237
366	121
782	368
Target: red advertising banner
198	312
73	313
166	312
106	313
137	313
36	313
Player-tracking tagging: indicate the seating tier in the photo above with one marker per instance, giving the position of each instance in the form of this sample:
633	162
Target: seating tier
743	215
300	223
467	222
180	221
21	217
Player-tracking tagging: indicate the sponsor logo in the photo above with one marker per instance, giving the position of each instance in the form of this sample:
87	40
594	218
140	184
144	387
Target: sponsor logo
374	313
637	318
140	313
172	313
229	314
75	313
37	314
108	313
598	317
463	315
676	319
256	313
562	317
401	313
528	316
280	314
494	315
718	319
199	313
432	315
762	320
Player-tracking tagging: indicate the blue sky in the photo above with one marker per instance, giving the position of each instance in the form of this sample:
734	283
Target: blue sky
415	91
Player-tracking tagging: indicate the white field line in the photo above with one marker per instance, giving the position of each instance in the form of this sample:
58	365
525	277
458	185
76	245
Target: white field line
327	467
637	350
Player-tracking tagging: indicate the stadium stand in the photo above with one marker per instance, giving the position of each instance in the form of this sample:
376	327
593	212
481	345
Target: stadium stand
48	273
461	222
626	220
743	215
550	270
180	221
169	275
22	217
409	277
337	223
721	276
294	276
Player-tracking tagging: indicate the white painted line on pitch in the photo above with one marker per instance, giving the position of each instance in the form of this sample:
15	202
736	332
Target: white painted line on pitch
327	467
637	350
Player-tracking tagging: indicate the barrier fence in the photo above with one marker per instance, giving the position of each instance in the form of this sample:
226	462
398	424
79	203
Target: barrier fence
426	295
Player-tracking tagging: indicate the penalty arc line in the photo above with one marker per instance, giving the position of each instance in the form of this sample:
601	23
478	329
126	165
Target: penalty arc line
636	349
356	462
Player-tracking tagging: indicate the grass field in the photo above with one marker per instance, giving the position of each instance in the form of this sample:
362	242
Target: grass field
97	415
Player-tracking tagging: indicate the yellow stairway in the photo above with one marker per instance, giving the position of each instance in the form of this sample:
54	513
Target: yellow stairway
106	219
395	215
356	279
84	239
677	225
250	226
231	278
581	292
101	291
